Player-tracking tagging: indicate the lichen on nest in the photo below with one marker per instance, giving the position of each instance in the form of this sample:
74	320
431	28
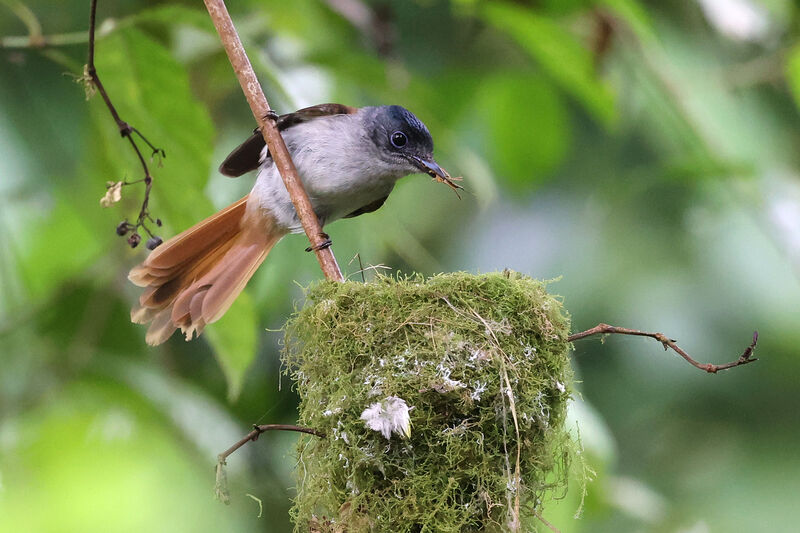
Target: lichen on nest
481	362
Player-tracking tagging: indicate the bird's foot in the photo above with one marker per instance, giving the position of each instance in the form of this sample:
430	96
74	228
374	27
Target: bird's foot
321	246
271	114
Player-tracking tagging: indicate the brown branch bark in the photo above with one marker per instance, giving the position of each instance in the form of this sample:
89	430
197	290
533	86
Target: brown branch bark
602	329
258	430
266	122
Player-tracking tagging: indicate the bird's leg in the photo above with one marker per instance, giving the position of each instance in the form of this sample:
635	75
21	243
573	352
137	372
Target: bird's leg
321	246
271	114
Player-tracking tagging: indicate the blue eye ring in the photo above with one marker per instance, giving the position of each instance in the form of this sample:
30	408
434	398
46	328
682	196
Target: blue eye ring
398	139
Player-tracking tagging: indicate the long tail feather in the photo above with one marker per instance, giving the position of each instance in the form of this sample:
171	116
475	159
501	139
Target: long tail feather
193	278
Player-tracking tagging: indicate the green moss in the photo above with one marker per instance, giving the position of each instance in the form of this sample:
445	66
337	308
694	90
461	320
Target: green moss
449	346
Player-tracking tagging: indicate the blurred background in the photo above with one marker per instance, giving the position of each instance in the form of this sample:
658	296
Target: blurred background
641	154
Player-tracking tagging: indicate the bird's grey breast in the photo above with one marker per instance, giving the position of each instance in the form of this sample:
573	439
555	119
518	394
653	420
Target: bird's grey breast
339	167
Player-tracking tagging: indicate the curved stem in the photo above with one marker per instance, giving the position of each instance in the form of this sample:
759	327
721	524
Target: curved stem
28	18
602	329
258	430
221	484
125	129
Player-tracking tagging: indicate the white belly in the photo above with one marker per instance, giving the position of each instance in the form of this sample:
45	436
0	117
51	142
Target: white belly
336	169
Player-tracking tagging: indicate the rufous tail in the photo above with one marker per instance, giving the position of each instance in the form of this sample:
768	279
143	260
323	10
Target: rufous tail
194	277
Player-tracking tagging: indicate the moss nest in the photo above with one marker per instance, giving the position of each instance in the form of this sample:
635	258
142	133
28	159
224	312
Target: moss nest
475	366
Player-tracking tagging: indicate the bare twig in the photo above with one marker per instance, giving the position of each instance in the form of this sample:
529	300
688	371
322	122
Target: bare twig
221	488
266	122
602	329
127	131
549	526
44	41
258	430
36	39
28	17
514	522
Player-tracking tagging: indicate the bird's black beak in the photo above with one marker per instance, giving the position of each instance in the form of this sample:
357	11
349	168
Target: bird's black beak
431	168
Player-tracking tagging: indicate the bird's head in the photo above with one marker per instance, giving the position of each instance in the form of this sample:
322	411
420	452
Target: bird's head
403	142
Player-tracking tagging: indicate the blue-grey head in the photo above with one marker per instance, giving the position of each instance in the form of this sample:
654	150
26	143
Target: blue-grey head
403	142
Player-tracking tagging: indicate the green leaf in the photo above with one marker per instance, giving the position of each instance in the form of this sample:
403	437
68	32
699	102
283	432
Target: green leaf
171	14
59	247
234	341
117	459
151	92
559	54
793	73
521	156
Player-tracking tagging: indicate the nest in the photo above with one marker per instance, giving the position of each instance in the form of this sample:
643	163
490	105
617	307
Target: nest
481	363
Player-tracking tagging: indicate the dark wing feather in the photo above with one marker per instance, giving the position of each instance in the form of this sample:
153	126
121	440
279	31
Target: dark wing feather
246	156
309	113
369	208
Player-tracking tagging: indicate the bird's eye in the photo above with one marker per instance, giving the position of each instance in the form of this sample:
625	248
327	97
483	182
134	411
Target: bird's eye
398	139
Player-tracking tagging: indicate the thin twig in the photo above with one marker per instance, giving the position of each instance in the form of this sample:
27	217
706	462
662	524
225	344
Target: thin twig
44	41
36	38
602	329
221	485
258	430
277	148
515	523
28	18
127	131
541	519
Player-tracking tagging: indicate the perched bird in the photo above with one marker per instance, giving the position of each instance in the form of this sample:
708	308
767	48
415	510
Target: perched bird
348	160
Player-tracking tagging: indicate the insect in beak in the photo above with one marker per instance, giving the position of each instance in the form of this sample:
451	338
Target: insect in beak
431	168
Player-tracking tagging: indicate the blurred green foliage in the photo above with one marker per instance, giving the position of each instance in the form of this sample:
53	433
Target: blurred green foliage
645	152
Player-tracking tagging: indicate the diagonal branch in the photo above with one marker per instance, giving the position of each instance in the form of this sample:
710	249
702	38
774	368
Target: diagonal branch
602	329
266	122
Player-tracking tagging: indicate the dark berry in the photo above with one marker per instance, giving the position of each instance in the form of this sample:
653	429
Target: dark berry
134	240
123	228
153	242
158	222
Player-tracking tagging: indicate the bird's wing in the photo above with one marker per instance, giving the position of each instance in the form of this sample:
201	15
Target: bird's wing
369	208
247	155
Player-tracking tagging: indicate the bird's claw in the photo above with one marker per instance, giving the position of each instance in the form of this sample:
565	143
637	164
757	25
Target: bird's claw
321	246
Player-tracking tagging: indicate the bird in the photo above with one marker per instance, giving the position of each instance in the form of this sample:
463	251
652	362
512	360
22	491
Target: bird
348	159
